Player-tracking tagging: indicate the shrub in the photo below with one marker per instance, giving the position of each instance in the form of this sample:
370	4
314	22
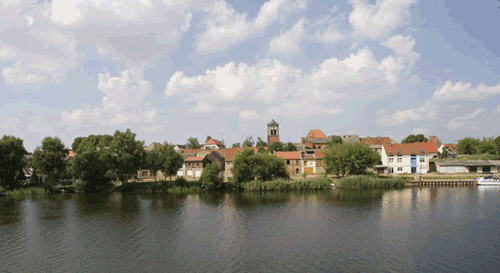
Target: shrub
368	182
211	178
181	181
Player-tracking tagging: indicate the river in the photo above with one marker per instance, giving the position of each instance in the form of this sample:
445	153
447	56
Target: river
433	229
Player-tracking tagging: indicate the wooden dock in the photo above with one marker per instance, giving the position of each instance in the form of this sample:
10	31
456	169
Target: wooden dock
457	182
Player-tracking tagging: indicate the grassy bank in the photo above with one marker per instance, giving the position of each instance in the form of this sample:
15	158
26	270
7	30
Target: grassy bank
320	183
27	192
177	187
370	182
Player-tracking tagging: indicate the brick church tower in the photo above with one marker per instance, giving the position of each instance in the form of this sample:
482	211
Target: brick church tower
273	132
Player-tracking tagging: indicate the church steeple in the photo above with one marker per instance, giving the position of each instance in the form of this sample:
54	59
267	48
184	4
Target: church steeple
273	132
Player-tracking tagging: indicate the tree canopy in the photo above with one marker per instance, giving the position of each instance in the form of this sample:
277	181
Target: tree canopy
211	177
415	138
12	161
125	154
488	146
335	140
347	158
468	146
248	166
172	161
260	143
49	160
193	143
208	138
92	162
248	142
280	146
236	145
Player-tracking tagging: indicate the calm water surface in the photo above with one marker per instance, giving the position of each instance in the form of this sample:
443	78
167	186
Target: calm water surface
454	229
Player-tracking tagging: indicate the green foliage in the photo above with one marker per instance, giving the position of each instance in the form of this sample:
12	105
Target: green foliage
248	166
468	146
370	182
92	162
12	160
208	138
193	143
236	145
184	190
125	155
260	143
280	146
347	158
415	138
335	140
248	142
321	183
76	143
49	160
28	192
172	161
487	146
445	153
497	144
211	178
181	181
290	147
154	161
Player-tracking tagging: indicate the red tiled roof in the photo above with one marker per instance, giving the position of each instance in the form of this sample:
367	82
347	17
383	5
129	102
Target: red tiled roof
406	148
192	151
274	139
431	146
375	140
199	158
214	142
451	146
318	153
289	155
316	133
309	156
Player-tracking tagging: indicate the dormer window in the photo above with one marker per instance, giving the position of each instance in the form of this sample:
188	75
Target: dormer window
390	152
412	151
421	151
400	152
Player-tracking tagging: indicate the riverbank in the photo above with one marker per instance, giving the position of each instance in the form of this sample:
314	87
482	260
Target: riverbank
372	182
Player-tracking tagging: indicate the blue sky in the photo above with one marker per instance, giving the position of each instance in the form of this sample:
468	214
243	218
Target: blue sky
172	69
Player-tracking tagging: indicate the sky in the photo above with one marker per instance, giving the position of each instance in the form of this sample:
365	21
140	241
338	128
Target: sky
174	69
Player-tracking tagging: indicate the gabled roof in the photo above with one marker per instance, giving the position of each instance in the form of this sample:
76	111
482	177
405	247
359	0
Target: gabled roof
452	147
316	133
309	157
375	140
407	148
272	122
289	155
431	146
214	142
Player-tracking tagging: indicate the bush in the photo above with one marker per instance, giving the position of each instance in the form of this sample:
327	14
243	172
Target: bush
321	183
368	182
211	178
181	181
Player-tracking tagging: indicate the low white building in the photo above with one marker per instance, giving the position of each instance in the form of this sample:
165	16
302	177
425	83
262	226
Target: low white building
405	158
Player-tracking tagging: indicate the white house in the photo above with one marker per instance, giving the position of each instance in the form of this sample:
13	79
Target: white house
405	158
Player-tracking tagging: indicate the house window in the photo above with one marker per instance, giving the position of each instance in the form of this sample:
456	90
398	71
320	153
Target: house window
400	169
296	171
319	163
297	162
413	160
288	162
391	170
422	159
400	159
391	159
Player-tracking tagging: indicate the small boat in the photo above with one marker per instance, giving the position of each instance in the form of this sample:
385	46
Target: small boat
487	180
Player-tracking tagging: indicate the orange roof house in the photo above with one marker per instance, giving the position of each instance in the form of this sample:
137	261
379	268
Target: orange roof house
409	148
289	155
316	133
375	140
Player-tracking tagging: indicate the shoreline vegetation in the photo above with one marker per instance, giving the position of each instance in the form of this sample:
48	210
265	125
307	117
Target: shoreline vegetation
181	186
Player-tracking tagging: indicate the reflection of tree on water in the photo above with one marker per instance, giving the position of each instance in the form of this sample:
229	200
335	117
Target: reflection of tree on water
343	197
10	211
212	197
126	205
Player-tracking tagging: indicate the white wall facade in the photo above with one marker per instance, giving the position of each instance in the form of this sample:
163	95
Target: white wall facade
405	165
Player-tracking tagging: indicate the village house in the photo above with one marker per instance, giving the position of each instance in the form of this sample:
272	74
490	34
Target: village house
315	139
214	144
376	143
179	148
451	147
350	138
309	164
293	161
435	140
320	166
405	158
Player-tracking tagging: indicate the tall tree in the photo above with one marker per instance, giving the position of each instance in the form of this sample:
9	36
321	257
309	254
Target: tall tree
263	166
488	146
211	177
208	138
415	138
76	142
335	140
92	162
248	142
154	161
497	144
236	145
468	146
12	161
193	143
349	158
445	153
172	161
260	143
125	154
275	147
289	147
49	160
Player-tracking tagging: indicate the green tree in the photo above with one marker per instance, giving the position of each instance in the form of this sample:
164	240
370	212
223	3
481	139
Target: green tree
172	161
49	160
236	145
92	163
260	143
125	154
488	146
248	166
193	143
208	138
211	177
275	147
12	161
335	140
76	142
289	147
248	143
468	146
153	161
497	144
415	138
445	153
349	158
